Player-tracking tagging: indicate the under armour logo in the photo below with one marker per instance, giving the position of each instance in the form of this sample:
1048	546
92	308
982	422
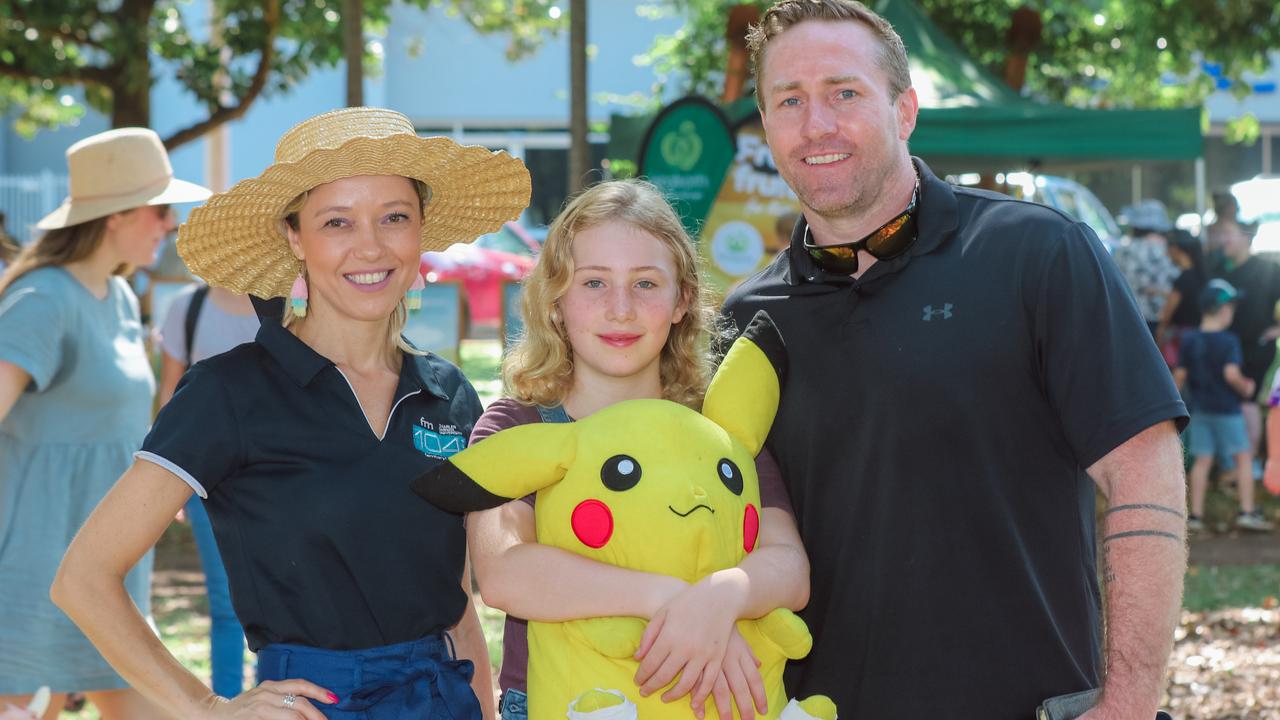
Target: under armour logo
930	313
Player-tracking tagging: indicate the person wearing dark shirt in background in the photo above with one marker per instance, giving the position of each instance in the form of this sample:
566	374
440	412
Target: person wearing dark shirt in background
1209	365
1258	281
1182	309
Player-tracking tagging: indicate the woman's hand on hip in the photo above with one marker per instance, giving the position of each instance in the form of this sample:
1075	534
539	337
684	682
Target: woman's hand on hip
274	700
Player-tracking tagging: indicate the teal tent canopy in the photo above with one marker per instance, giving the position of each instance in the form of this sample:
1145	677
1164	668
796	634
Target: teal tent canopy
967	113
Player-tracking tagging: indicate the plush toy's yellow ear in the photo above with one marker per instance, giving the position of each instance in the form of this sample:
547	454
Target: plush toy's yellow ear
507	465
743	395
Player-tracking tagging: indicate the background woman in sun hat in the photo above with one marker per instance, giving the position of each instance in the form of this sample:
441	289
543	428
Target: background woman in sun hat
352	591
75	402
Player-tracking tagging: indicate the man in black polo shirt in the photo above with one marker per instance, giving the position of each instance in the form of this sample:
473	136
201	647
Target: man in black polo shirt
964	370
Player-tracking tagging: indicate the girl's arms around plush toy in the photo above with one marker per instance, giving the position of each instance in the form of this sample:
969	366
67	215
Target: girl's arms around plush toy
692	631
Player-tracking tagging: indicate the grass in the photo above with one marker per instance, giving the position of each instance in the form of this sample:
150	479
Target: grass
481	362
1218	587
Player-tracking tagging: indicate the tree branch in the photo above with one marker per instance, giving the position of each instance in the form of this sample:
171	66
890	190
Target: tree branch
223	114
87	75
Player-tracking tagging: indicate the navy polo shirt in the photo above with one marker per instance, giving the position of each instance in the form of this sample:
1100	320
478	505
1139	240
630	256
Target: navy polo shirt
323	542
934	432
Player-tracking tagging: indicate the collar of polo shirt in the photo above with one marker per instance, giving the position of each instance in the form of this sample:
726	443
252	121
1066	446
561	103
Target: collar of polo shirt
302	363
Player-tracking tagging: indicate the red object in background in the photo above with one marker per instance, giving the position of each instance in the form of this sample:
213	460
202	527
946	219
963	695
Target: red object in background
481	266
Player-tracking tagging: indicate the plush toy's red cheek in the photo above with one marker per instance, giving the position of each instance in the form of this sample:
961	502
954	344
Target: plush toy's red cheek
750	528
592	523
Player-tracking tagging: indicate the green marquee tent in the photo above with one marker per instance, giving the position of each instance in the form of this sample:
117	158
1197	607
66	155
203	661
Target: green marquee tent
968	114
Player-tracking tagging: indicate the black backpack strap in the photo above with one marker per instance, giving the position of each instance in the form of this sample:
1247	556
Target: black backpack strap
193	314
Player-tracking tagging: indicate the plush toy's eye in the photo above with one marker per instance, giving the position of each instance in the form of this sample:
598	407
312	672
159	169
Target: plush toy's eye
621	472
730	475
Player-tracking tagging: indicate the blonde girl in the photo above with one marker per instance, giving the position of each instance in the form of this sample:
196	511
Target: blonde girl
615	310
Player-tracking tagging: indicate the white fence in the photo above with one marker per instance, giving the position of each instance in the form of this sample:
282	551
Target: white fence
24	199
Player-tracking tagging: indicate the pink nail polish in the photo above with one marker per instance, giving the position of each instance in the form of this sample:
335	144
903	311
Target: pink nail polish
333	698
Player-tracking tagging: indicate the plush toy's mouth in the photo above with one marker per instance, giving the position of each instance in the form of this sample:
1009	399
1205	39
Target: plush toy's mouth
690	511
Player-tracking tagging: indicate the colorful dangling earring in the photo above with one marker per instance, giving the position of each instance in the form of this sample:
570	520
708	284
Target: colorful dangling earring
298	297
413	298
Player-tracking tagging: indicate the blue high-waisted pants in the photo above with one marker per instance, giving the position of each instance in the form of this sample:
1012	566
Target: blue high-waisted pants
418	679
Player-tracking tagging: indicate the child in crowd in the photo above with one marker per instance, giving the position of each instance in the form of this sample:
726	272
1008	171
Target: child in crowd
1209	364
613	311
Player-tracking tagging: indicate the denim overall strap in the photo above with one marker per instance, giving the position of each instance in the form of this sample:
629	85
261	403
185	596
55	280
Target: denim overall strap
553	414
418	679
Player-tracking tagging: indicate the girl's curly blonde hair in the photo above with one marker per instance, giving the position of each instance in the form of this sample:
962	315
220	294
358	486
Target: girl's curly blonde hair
539	368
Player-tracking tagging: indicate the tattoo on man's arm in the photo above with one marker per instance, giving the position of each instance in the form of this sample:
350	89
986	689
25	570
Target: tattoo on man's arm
1141	533
1144	506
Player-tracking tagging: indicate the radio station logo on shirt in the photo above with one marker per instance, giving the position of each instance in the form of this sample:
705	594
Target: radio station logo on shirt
438	440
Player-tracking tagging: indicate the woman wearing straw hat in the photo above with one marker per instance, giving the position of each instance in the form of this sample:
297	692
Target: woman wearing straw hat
75	400
302	443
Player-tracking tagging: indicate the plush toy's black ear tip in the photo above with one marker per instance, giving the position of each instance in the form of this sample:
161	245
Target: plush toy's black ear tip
448	488
765	335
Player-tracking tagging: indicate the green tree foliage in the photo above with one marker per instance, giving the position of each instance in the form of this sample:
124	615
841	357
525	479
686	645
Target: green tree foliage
1116	53
115	50
1092	53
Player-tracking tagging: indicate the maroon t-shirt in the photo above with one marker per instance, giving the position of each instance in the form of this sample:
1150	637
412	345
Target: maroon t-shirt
506	413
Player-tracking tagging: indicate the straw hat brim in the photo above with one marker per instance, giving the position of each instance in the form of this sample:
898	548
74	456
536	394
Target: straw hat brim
236	240
74	212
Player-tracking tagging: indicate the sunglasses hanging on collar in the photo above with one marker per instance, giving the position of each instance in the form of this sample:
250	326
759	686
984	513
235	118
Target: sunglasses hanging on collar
885	243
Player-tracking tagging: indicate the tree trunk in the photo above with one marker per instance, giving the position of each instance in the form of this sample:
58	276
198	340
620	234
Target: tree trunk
353	45
579	150
130	107
1023	37
741	17
131	91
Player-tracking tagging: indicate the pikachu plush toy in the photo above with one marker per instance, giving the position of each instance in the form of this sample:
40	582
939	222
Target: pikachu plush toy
648	485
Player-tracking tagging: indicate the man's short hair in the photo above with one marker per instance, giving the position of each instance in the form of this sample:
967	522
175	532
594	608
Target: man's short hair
787	13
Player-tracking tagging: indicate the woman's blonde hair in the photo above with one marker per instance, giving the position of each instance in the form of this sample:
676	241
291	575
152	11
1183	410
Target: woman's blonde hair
57	248
539	368
399	316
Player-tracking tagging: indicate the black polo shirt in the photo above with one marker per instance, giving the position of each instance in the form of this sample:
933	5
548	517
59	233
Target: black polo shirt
934	430
323	542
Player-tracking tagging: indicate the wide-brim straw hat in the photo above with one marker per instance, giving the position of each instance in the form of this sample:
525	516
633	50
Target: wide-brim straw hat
237	240
118	170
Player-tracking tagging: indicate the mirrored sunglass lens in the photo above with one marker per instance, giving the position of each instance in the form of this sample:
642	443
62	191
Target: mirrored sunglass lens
887	238
839	252
887	241
841	260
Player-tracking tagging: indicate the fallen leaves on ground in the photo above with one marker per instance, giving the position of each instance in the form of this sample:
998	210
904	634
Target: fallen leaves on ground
1226	665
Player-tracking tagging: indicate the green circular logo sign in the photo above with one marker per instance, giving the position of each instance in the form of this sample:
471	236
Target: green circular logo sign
682	148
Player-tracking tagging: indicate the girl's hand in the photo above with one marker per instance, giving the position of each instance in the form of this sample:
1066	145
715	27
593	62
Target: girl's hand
273	700
739	682
689	636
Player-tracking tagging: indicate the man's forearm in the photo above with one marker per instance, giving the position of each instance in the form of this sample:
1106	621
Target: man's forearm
1144	559
1143	571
